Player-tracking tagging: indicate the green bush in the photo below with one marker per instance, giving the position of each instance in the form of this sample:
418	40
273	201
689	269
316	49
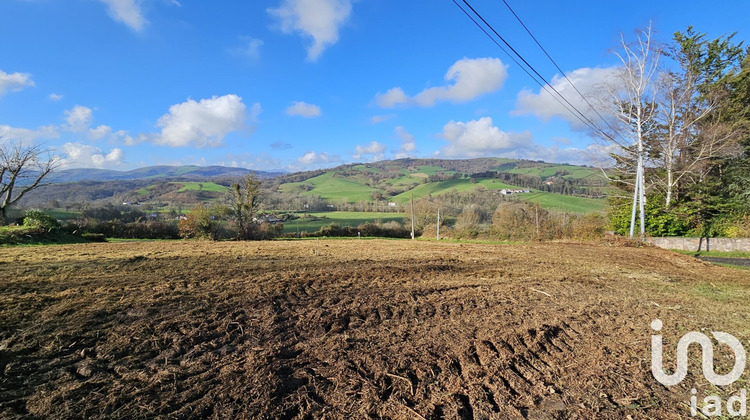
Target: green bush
38	219
660	221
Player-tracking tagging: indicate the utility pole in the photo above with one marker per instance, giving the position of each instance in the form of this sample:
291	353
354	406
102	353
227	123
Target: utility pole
412	216
438	224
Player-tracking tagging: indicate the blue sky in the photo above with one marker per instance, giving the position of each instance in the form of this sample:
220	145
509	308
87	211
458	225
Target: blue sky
302	84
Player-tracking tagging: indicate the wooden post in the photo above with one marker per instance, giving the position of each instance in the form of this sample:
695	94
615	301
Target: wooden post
412	216
438	224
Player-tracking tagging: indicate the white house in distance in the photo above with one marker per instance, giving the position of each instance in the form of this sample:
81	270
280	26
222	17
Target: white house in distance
509	191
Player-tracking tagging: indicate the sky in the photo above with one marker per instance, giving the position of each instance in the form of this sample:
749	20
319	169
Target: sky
305	84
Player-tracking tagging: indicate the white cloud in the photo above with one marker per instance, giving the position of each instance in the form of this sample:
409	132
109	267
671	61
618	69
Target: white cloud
303	109
79	118
312	158
14	82
100	132
127	12
204	123
85	156
543	105
250	47
408	145
471	78
381	118
28	136
480	138
374	150
54	97
317	19
392	97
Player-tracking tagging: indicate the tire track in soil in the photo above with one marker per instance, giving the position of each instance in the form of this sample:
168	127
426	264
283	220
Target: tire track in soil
378	331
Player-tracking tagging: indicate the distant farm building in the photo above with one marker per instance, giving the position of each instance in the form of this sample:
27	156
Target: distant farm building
509	191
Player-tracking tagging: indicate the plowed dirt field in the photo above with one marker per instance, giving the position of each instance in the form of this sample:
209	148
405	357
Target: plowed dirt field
355	329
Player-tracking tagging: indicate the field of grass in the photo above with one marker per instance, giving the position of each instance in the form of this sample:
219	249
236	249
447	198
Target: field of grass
63	215
332	187
145	190
202	186
575	172
442	187
342	218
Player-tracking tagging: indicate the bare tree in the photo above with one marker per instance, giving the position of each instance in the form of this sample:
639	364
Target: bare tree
22	169
630	105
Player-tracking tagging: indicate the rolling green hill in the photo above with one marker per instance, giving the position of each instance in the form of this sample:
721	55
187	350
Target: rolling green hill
554	186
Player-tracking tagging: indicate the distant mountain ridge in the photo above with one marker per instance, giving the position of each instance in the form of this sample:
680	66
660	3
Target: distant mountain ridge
186	173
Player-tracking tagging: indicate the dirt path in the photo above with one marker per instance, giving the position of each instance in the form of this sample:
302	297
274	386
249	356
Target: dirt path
351	329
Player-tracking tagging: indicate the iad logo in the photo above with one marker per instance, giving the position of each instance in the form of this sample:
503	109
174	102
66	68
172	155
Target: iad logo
712	404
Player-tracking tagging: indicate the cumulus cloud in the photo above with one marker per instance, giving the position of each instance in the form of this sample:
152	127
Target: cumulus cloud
28	136
85	156
203	123
54	97
408	145
313	158
100	132
543	105
303	109
14	82
471	78
392	97
79	118
480	138
316	19
127	12
374	150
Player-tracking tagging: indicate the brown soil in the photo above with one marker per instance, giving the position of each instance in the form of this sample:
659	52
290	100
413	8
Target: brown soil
352	329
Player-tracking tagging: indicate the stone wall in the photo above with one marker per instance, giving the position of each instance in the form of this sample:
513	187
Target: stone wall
710	244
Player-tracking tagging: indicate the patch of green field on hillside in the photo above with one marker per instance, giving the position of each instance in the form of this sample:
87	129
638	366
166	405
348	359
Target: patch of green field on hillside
343	218
431	170
145	190
202	186
332	187
574	172
442	187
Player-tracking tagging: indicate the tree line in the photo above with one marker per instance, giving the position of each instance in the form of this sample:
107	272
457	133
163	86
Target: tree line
678	126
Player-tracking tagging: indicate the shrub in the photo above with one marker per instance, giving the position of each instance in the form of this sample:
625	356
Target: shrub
589	226
739	228
659	220
198	223
521	221
38	219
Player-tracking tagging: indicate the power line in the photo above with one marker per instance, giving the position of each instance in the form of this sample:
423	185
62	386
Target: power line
546	85
558	67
